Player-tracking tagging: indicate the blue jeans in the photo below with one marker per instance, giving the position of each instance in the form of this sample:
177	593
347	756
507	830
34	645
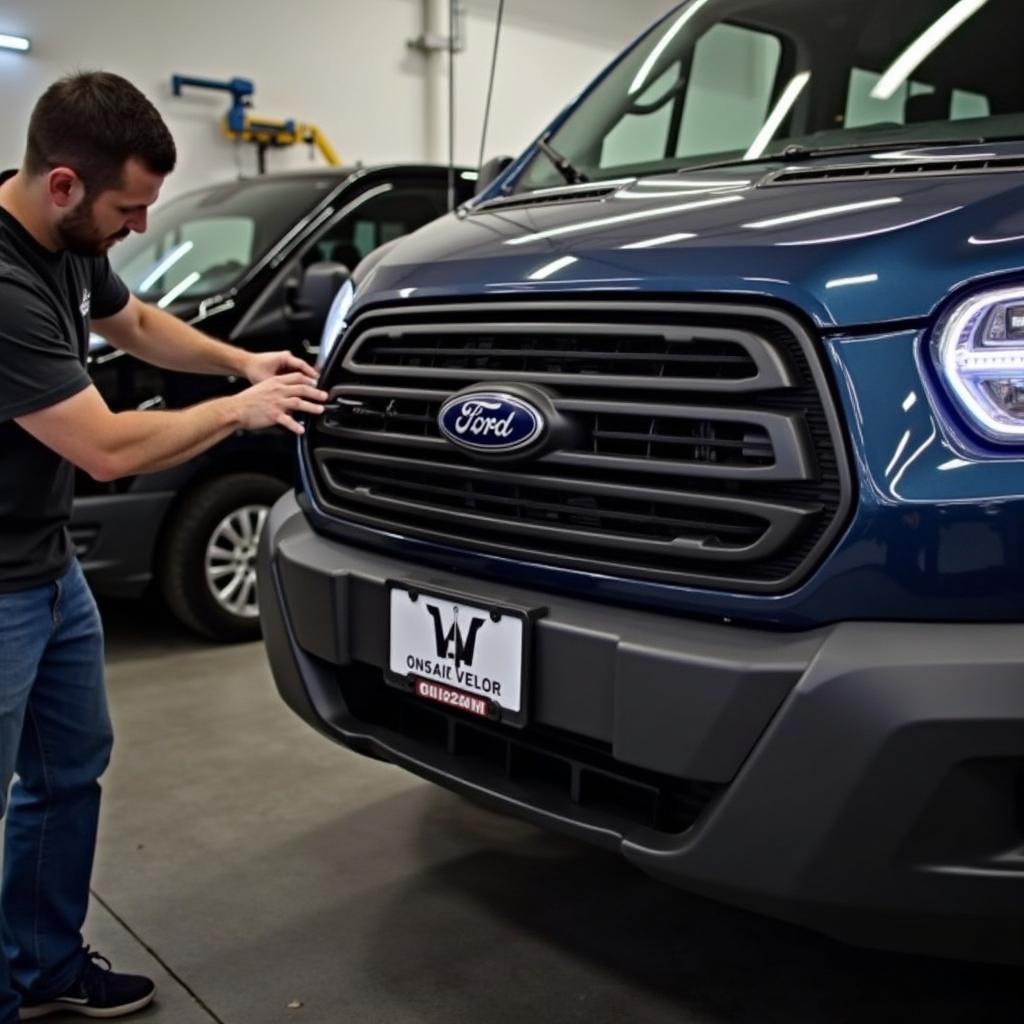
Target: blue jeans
55	734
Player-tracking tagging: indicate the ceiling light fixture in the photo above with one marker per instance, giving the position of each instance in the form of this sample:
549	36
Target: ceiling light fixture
786	101
655	55
14	43
923	47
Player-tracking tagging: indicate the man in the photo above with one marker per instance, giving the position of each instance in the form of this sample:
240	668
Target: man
97	155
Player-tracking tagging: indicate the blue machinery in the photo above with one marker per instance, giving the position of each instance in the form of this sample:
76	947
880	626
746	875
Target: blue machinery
241	126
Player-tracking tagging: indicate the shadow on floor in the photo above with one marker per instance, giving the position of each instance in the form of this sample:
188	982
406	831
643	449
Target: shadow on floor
142	627
712	962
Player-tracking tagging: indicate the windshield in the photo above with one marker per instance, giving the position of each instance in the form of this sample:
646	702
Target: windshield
735	80
203	242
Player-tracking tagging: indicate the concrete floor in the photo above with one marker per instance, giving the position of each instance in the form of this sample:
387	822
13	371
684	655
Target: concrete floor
266	875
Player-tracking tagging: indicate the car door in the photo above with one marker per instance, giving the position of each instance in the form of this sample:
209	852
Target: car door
384	211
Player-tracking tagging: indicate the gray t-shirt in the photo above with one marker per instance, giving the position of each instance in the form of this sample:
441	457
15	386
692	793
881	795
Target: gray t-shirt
46	300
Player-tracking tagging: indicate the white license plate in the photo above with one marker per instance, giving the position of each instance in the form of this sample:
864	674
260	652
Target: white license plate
457	648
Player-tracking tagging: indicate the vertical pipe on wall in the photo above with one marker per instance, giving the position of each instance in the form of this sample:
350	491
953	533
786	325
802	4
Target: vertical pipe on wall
452	15
435	119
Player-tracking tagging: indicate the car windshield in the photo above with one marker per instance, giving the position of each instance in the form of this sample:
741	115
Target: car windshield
740	80
204	242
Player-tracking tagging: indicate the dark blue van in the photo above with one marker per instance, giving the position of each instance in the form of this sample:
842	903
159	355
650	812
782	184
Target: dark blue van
671	492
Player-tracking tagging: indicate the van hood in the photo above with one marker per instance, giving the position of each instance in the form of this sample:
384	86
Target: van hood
852	241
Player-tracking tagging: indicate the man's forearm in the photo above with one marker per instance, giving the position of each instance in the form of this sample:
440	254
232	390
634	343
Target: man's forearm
166	341
183	455
146	442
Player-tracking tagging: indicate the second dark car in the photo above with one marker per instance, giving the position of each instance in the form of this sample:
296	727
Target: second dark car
248	262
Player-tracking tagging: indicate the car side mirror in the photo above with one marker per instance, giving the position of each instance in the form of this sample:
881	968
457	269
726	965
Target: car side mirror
320	283
490	172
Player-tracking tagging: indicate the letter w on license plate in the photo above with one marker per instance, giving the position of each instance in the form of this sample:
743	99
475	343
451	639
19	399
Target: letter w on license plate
458	654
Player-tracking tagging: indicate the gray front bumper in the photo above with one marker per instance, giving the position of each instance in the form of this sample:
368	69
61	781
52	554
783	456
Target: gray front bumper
864	779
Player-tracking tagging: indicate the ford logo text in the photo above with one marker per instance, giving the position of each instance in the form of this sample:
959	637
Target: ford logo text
487	421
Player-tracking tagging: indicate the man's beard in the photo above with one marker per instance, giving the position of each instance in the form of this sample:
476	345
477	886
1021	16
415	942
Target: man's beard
78	234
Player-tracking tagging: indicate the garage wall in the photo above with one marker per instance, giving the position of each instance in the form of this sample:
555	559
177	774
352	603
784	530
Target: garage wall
342	64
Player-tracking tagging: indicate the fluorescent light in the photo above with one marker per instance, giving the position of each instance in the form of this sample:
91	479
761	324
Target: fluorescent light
470	175
584	186
917	157
694	184
922	47
842	282
789	96
180	288
995	241
717	190
553	267
164	265
900	449
871	234
14	43
827	211
655	55
910	401
895	482
661	211
650	243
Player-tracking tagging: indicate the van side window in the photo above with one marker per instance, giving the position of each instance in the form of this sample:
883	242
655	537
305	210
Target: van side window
378	220
731	85
965	105
200	255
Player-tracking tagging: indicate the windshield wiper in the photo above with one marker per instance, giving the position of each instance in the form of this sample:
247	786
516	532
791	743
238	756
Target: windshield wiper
797	152
572	174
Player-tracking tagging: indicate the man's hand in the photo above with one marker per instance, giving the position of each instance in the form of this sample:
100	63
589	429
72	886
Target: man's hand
261	366
274	401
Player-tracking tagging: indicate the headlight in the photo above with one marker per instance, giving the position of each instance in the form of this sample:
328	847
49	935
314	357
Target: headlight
336	322
979	349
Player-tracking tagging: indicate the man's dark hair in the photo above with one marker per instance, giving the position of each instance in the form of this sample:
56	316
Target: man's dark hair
94	122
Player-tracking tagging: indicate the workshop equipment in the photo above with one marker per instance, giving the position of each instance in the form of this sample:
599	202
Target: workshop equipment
241	126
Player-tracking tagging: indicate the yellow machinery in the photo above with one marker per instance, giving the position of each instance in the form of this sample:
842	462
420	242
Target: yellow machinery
241	126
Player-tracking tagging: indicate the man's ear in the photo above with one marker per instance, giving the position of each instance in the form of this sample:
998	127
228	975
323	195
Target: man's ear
65	188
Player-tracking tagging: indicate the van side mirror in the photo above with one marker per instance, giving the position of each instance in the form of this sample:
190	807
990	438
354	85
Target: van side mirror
320	283
490	172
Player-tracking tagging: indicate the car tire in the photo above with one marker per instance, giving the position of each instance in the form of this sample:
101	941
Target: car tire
208	566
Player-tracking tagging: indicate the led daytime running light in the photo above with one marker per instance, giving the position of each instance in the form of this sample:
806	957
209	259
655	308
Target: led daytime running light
984	380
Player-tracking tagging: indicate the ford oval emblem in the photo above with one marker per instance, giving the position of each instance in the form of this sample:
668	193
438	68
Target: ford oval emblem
490	421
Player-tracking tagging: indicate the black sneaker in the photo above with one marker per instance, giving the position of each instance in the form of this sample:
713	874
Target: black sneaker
99	992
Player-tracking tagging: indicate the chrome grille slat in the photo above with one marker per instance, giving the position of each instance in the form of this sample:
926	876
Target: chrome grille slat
685	474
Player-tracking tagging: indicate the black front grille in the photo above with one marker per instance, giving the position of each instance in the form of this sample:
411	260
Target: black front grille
703	445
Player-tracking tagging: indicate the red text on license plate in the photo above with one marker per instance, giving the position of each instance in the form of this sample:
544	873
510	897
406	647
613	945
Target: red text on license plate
452	698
